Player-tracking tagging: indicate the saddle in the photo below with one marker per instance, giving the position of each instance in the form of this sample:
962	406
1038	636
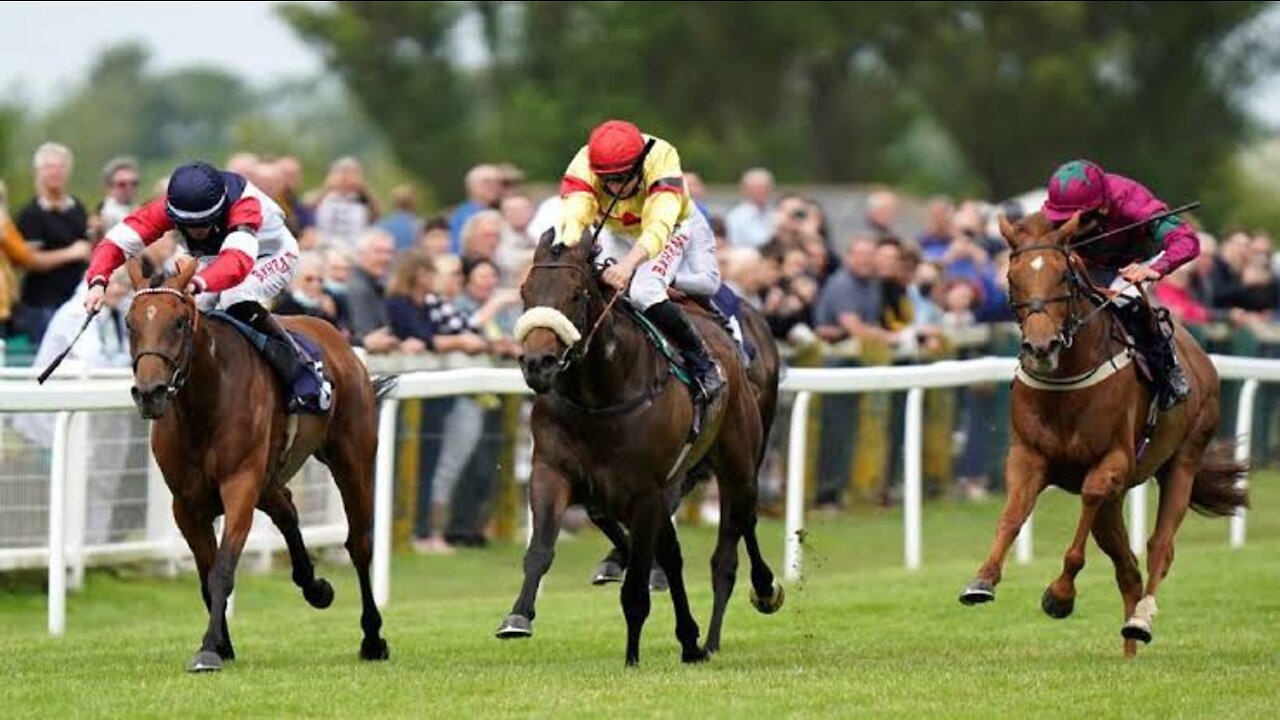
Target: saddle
303	388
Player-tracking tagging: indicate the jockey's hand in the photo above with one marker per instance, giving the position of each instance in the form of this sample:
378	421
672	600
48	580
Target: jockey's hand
618	275
1138	273
94	299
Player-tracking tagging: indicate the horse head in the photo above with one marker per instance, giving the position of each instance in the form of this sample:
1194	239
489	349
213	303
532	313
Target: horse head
561	294
1044	287
162	327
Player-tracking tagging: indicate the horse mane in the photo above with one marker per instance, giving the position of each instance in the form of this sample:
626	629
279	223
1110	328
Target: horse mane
1035	225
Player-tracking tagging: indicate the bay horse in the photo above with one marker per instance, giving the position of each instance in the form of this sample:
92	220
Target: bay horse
609	424
764	373
225	445
1079	417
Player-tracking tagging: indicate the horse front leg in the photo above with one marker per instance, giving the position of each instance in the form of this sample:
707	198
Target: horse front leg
1024	472
548	497
1105	481
239	497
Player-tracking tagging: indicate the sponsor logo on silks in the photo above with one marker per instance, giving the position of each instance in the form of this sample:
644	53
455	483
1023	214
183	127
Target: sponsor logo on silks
672	251
274	266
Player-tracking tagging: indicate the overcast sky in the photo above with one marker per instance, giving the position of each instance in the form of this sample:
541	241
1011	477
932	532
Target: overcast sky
245	37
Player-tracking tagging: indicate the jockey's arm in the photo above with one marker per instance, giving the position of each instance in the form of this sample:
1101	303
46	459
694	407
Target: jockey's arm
141	228
578	203
578	211
233	263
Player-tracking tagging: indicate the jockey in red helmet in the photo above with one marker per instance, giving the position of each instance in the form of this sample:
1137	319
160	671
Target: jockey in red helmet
669	241
1106	201
247	256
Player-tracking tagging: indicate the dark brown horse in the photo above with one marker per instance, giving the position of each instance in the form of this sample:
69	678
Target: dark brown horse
763	372
1079	414
225	445
609	426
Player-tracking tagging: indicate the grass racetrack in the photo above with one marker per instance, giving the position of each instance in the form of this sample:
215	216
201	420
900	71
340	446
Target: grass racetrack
859	637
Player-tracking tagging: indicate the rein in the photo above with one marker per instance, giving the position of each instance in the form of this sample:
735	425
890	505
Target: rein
579	350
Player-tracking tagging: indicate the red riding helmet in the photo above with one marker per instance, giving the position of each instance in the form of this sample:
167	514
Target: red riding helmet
1078	186
614	147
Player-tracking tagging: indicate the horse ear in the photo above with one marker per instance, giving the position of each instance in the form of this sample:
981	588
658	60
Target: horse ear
1069	228
186	270
138	271
1008	231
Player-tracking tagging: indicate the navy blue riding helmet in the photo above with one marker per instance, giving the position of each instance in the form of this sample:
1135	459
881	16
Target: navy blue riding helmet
197	195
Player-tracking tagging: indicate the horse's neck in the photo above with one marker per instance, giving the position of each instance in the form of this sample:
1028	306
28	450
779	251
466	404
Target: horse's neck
202	390
617	366
1093	344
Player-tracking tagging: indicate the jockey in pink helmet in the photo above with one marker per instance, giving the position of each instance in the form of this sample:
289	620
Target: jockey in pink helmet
1106	201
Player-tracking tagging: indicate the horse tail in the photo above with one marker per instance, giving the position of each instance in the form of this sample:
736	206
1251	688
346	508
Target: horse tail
383	385
1216	489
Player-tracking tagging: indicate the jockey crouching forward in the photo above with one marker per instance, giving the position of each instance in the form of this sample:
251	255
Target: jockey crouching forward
1107	201
246	254
669	241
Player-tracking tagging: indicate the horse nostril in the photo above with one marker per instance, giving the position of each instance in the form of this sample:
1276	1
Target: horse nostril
546	361
1055	345
1028	348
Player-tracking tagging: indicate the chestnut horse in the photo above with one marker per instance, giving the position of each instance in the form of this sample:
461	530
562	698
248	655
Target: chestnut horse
609	427
225	445
1079	411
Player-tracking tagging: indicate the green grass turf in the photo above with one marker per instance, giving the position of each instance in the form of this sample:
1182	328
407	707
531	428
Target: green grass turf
860	636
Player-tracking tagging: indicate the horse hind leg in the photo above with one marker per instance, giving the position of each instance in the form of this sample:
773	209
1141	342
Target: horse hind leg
278	505
549	494
646	518
614	564
1175	498
1109	531
351	457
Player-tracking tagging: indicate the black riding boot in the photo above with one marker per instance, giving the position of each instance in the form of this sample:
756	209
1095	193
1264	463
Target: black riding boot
283	353
1171	381
672	321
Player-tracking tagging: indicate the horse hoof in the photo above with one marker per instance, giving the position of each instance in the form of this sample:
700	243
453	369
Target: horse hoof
658	581
770	605
205	661
1055	608
694	655
608	572
1136	630
319	595
978	592
515	627
374	649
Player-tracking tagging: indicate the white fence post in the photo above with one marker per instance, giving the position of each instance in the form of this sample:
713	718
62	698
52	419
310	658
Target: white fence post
796	443
77	489
912	449
1137	500
383	483
1023	548
1244	430
57	522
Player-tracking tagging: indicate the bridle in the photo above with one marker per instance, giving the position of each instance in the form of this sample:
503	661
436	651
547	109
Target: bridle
578	350
181	363
1074	284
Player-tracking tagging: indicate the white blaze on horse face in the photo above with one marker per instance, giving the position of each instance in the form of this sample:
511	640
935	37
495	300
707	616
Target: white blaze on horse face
1037	264
151	313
